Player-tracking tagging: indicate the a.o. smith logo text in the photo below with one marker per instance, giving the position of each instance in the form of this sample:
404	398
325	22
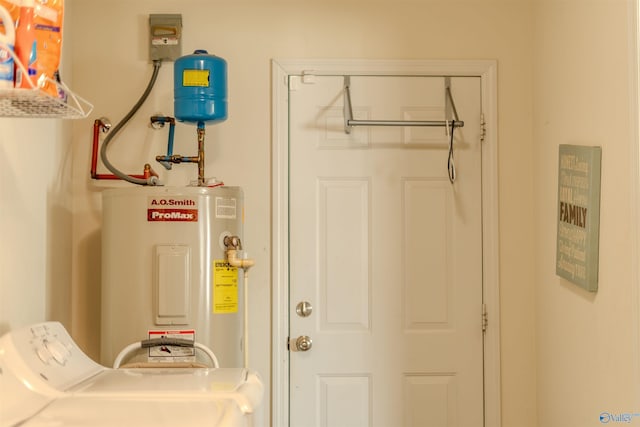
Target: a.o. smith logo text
172	209
171	202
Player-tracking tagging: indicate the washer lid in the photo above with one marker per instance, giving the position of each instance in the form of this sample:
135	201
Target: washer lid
183	382
241	386
117	412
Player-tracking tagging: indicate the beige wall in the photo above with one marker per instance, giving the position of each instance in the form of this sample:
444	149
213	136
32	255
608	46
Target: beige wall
110	68
586	342
35	222
35	219
575	53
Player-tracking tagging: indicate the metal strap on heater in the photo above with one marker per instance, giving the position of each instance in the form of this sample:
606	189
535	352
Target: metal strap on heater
164	341
176	342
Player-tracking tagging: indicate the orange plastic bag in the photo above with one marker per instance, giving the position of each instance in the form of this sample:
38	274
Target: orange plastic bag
13	7
48	20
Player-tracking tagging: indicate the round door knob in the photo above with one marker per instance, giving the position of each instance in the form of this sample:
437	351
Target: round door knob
303	343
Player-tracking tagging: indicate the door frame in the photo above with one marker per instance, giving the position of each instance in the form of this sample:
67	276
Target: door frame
281	69
634	44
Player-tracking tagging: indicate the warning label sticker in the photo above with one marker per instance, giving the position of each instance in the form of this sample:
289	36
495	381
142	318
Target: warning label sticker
226	208
173	353
225	287
172	209
197	78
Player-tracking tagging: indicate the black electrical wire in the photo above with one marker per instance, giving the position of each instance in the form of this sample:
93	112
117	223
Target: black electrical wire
114	131
451	167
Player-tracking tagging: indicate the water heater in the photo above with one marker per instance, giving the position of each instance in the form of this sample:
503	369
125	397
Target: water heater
164	271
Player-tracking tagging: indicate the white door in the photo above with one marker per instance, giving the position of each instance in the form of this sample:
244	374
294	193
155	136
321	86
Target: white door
388	253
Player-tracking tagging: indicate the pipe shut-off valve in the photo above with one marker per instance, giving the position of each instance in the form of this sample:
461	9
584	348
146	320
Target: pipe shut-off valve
234	253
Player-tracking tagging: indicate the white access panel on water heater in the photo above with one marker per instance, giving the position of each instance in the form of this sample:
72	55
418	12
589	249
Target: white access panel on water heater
164	271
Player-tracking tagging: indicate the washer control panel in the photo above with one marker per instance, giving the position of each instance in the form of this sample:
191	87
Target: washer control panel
53	349
46	357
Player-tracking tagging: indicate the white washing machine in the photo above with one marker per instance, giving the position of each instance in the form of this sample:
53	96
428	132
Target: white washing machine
46	381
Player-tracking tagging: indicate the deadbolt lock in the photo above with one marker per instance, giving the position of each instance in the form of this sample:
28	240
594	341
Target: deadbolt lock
304	309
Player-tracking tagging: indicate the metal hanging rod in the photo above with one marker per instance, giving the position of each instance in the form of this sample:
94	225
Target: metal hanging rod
450	109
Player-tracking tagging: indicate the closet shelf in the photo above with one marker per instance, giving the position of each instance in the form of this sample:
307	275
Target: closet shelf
35	103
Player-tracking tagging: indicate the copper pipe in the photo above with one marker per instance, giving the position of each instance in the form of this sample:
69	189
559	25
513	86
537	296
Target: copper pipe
97	124
201	180
102	125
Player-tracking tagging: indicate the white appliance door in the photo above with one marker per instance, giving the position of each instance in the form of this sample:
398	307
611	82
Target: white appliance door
156	397
82	411
388	255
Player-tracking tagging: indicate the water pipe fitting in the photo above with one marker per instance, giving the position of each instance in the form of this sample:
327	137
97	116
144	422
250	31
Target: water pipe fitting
235	261
234	245
104	125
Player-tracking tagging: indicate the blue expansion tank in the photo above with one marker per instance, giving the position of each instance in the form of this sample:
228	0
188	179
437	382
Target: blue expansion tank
200	88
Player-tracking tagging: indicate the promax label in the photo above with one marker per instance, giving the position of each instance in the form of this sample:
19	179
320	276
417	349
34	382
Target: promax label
172	209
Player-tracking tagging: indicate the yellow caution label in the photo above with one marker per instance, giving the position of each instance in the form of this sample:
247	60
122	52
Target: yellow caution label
198	78
225	287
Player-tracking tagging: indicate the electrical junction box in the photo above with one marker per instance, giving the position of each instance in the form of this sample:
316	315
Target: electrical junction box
165	37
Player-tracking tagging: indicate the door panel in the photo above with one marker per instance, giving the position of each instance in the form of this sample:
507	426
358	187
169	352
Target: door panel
389	254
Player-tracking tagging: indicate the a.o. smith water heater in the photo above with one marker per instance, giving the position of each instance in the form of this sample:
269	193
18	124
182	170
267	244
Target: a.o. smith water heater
164	272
